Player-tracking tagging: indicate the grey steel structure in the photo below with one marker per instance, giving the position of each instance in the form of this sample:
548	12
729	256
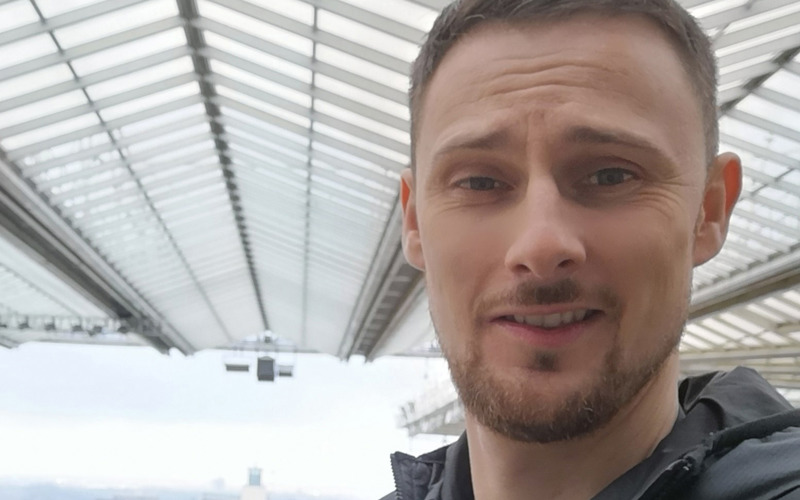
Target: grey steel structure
190	173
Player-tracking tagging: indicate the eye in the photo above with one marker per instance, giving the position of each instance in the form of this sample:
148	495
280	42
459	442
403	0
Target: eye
479	184
610	177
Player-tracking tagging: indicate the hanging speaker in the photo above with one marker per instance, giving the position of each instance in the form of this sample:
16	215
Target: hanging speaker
265	369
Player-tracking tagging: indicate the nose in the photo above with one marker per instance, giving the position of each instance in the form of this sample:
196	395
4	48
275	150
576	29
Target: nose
547	244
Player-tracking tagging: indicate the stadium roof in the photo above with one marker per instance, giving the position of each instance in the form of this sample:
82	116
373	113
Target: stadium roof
190	173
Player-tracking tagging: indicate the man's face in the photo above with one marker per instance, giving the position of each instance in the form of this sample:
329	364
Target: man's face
559	204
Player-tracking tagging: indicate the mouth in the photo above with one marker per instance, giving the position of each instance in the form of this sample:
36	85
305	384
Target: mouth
555	320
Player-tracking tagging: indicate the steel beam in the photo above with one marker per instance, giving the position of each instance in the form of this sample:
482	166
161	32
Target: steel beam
35	227
189	11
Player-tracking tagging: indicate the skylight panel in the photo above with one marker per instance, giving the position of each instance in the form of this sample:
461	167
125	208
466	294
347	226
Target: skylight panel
44	133
759	136
783	197
141	126
31	82
175	155
42	108
361	121
714	7
362	68
354	160
362	96
26	50
770	111
260	83
783	307
150	101
765	17
16	14
254	26
403	11
52	8
361	143
259	57
294	9
121	54
167	138
279	111
784	82
141	78
367	36
115	22
269	129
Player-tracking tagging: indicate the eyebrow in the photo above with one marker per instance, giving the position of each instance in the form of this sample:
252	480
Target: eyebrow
501	138
495	139
592	135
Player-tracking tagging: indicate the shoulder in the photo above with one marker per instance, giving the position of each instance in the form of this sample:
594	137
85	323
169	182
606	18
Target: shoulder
759	468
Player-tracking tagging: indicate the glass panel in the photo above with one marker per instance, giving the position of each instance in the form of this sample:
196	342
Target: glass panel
52	8
294	9
141	126
26	50
34	81
359	33
362	96
115	22
42	108
130	51
141	78
361	121
762	18
714	7
150	101
245	77
362	68
256	27
767	110
785	82
16	14
261	58
48	132
268	129
301	121
360	143
167	138
403	11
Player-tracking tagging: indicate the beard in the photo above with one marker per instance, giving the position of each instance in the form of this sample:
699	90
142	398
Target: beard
515	409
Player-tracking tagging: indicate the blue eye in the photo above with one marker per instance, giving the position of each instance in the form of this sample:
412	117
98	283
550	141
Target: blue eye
610	177
479	183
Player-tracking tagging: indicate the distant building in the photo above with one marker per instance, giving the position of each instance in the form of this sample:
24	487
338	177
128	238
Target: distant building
254	489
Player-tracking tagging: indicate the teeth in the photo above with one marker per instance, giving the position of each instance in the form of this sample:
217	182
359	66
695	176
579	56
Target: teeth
553	320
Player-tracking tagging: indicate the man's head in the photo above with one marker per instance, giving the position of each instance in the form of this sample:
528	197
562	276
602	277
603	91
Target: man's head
461	17
561	196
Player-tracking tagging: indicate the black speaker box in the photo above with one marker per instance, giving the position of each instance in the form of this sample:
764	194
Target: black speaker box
265	369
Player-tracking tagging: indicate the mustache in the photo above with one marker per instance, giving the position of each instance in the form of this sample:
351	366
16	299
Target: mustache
527	294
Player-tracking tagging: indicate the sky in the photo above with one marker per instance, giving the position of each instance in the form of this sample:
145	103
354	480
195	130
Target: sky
131	417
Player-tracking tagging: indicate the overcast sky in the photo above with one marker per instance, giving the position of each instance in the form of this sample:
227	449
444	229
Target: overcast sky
106	416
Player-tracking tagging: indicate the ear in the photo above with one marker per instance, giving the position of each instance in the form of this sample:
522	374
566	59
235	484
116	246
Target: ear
412	246
723	186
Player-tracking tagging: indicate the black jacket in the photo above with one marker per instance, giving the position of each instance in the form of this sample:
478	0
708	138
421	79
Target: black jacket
736	438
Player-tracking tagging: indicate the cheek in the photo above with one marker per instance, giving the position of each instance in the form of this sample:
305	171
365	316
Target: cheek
649	258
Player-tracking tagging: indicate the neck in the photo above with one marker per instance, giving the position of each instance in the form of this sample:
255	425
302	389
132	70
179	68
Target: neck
503	469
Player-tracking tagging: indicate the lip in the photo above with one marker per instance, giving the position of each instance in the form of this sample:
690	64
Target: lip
550	338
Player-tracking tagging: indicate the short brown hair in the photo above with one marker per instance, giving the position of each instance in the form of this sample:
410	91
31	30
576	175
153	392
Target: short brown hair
460	17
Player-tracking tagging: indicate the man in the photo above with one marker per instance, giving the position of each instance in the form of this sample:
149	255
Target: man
565	181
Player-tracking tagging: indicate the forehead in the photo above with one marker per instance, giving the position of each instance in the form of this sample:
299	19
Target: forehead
621	68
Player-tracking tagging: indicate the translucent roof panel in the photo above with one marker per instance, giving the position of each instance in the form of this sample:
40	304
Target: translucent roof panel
236	162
